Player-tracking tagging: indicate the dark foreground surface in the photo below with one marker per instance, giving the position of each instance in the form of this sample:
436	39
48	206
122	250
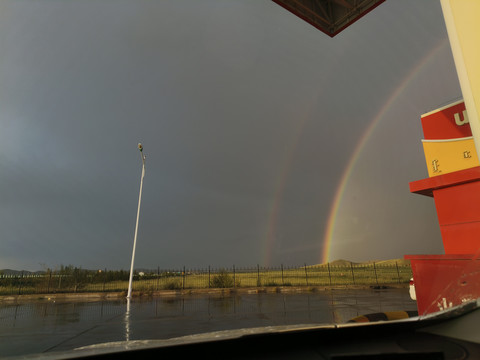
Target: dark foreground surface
49	326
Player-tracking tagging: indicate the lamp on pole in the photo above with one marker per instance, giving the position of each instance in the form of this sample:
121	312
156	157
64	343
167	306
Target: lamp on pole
129	294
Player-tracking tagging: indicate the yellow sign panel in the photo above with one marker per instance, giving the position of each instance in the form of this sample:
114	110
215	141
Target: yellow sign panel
446	156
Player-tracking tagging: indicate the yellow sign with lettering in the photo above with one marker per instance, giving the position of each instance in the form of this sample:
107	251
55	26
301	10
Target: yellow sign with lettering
449	155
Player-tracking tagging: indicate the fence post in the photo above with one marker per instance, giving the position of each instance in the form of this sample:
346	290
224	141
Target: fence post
283	282
183	285
104	279
234	285
158	277
329	274
20	284
306	276
49	279
258	276
209	276
59	282
398	273
353	275
375	269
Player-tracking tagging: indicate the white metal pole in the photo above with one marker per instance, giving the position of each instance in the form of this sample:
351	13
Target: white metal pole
129	294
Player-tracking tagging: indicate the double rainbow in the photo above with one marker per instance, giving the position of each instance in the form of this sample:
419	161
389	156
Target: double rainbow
334	210
328	238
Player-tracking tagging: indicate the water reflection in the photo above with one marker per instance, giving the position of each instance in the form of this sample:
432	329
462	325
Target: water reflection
127	320
40	326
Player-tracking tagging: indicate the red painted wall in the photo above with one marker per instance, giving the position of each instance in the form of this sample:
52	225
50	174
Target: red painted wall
443	281
441	124
458	211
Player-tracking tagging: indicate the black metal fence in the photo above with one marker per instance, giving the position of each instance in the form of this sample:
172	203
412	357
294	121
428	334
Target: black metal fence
73	280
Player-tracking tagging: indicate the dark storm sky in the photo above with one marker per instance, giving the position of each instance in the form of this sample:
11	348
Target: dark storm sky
249	119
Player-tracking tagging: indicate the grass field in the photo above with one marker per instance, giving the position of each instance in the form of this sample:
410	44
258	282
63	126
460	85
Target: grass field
337	273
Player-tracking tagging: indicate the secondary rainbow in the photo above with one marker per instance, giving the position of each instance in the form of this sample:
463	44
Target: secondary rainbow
270	233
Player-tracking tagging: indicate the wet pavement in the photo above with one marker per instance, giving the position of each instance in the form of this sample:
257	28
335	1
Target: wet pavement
44	326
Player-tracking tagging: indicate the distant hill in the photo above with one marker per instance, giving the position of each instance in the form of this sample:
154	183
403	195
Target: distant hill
400	262
391	262
20	272
341	262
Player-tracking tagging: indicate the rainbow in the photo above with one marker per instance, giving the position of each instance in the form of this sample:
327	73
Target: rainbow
334	210
270	235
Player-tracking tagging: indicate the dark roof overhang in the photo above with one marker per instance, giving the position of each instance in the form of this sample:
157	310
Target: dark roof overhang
329	16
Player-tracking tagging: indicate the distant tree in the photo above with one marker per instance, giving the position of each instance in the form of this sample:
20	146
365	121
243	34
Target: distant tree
73	277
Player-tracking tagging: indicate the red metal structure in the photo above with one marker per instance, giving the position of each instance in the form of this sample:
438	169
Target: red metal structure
447	280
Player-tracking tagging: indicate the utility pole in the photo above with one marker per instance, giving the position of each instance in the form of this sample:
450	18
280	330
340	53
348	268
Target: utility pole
129	294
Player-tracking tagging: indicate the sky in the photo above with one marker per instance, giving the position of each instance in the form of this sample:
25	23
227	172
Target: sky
267	142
